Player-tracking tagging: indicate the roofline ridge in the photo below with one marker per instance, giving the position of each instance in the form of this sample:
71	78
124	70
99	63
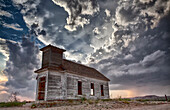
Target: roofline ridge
79	64
52	47
89	67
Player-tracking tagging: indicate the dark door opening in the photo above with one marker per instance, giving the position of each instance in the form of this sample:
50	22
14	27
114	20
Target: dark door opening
41	89
79	88
102	92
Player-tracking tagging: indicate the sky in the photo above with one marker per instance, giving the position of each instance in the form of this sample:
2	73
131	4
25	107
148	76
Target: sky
126	40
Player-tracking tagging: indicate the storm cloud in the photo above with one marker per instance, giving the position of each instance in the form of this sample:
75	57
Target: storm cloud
23	60
144	65
76	9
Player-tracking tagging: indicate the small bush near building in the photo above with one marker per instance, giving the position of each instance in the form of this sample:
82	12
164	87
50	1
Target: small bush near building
83	99
106	100
91	101
33	106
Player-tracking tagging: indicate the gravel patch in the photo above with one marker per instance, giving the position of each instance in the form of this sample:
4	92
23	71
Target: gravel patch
108	105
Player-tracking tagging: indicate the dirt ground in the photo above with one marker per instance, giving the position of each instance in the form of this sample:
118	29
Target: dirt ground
152	107
97	107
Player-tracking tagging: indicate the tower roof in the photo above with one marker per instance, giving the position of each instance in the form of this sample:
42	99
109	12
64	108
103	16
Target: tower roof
53	47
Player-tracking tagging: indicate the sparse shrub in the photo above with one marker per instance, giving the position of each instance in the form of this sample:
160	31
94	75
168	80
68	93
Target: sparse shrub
126	102
115	99
126	99
11	104
97	101
162	100
83	99
142	100
90	101
44	104
106	100
52	104
33	106
70	100
14	97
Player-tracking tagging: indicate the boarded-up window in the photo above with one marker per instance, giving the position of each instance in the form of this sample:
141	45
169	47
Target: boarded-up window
102	91
92	88
41	89
79	88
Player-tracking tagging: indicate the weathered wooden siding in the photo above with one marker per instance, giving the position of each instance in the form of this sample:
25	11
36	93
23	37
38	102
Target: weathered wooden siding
51	57
57	85
65	86
54	87
54	90
72	87
56	58
45	58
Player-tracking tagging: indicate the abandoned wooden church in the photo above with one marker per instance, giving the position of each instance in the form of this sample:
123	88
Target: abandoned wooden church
59	78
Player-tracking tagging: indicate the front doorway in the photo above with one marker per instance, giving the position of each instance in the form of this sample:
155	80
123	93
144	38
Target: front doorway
41	88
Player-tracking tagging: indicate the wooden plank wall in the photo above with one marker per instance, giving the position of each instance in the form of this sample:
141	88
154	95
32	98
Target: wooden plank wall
54	87
65	86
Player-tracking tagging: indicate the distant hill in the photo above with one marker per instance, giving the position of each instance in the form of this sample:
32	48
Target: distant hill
151	97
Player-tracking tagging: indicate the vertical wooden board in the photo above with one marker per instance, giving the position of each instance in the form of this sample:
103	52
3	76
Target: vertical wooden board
56	58
71	86
54	86
45	58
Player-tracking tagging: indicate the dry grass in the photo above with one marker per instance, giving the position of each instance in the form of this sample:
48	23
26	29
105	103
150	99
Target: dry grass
12	104
102	103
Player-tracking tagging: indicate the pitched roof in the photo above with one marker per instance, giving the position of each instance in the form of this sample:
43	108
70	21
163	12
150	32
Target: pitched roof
77	69
53	47
83	70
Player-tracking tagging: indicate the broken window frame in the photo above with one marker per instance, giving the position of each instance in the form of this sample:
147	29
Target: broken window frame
92	93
